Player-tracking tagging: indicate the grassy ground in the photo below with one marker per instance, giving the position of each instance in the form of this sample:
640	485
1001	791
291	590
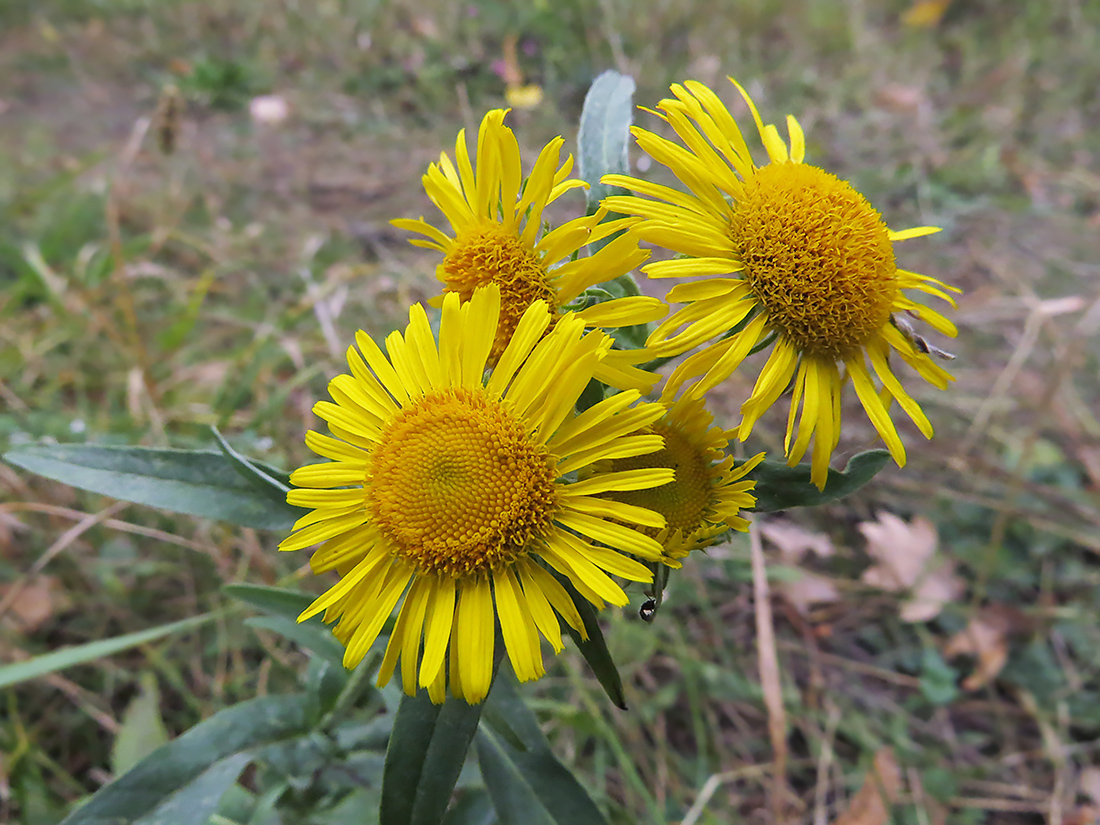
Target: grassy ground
145	296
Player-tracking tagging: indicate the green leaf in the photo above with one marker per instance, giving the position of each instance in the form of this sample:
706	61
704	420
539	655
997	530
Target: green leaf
197	801
278	601
519	769
184	776
779	487
473	807
532	786
313	636
271	480
68	656
142	730
604	135
193	482
594	649
427	749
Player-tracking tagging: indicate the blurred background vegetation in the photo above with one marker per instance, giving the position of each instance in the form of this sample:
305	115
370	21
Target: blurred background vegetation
171	263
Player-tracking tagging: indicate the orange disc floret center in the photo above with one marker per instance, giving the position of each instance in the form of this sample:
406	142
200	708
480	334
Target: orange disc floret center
458	485
485	253
817	256
684	501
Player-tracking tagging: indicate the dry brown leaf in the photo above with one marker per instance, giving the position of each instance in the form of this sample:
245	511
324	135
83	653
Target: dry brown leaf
793	542
36	602
881	788
1089	783
985	637
906	560
809	589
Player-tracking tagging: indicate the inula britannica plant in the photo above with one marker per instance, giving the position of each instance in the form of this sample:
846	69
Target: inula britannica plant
541	442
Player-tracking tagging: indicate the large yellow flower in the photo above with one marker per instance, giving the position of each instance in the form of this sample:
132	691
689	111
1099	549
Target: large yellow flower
707	496
497	221
452	486
809	265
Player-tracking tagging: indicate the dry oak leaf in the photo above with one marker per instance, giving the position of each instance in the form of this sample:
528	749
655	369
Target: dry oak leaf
793	543
985	637
881	788
906	560
34	603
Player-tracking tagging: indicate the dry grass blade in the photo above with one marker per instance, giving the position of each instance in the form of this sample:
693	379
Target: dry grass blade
769	675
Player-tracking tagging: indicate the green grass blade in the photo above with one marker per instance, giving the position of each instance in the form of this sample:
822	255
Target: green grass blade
48	663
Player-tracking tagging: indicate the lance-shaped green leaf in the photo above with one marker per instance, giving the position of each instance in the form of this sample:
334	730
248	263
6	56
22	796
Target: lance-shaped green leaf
594	648
525	780
278	601
183	781
48	663
271	480
283	608
193	482
779	487
604	135
427	749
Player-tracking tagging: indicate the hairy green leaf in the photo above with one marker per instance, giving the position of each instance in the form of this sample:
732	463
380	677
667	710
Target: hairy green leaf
528	784
604	135
278	601
427	749
779	487
594	649
185	779
193	482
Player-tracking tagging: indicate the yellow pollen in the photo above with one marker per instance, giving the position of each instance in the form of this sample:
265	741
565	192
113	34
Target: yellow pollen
817	256
485	253
458	486
683	502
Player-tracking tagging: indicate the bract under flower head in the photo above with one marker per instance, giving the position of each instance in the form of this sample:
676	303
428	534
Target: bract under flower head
809	264
453	487
706	498
497	223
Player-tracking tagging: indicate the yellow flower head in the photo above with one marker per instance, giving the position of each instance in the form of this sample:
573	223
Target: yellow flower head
496	219
706	497
809	264
452	486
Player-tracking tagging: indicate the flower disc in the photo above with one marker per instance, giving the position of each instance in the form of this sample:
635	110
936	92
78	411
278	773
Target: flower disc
458	485
818	257
485	253
682	502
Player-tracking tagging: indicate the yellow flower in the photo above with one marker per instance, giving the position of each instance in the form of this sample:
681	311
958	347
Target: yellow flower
706	497
812	267
452	486
497	221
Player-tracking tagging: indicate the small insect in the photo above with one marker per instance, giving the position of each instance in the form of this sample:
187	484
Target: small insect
167	118
917	340
648	610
